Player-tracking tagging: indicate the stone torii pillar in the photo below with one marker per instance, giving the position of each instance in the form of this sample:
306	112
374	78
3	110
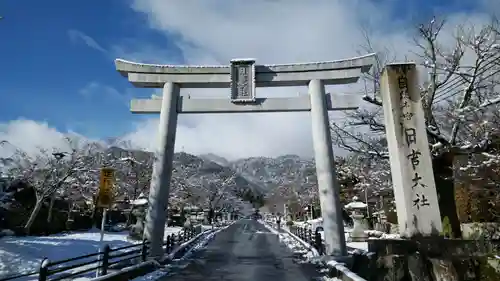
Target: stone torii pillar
242	77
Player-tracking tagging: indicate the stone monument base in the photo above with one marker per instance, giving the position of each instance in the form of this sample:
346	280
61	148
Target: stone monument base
359	238
430	259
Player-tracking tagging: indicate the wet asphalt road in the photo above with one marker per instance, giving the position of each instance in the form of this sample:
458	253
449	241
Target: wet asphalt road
245	250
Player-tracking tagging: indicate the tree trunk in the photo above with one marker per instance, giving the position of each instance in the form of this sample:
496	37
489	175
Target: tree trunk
34	213
51	206
95	214
445	186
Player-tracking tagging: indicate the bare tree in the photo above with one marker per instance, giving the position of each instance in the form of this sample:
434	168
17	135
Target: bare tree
462	78
218	192
46	172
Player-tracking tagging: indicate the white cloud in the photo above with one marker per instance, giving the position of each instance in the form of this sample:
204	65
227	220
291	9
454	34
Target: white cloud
273	31
213	32
30	136
76	36
230	138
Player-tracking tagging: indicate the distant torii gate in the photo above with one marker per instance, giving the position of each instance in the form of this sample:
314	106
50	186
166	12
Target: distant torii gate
242	77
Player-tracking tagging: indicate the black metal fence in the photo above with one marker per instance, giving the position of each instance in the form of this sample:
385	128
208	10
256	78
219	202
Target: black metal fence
106	260
312	238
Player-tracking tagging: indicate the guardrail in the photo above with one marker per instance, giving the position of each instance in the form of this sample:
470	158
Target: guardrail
312	238
337	269
144	268
106	260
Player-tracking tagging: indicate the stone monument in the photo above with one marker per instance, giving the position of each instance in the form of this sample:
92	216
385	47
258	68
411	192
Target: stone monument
411	166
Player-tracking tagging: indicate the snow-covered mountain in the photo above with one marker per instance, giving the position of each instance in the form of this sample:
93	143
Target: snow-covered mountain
216	159
269	173
272	172
195	170
260	175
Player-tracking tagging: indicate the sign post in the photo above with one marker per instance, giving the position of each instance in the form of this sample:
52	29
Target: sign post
107	180
104	199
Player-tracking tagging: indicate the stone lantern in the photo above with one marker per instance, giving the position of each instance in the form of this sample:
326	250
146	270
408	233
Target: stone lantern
358	232
139	212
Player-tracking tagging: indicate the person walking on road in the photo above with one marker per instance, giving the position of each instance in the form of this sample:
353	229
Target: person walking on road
278	220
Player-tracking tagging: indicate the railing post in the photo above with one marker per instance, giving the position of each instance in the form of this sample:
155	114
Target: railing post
43	273
105	259
144	250
174	240
310	236
169	243
318	242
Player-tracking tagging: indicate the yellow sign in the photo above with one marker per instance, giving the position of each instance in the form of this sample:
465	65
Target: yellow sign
105	197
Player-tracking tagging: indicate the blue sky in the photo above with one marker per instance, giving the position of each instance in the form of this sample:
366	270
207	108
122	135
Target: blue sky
56	57
50	74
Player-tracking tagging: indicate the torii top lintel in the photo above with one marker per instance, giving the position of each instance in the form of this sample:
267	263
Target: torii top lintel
343	71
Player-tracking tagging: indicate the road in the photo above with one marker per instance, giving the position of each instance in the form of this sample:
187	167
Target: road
244	251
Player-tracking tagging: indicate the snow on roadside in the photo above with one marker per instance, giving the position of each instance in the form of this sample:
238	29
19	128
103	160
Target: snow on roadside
23	254
292	243
312	256
160	273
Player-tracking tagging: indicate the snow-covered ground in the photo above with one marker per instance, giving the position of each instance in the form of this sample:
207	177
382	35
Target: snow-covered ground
23	254
292	243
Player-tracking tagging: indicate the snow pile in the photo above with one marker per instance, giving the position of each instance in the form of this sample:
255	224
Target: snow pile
24	254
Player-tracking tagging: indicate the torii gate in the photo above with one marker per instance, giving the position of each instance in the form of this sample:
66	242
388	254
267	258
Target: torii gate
242	76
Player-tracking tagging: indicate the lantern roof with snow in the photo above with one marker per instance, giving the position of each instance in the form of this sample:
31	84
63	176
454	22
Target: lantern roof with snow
355	204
